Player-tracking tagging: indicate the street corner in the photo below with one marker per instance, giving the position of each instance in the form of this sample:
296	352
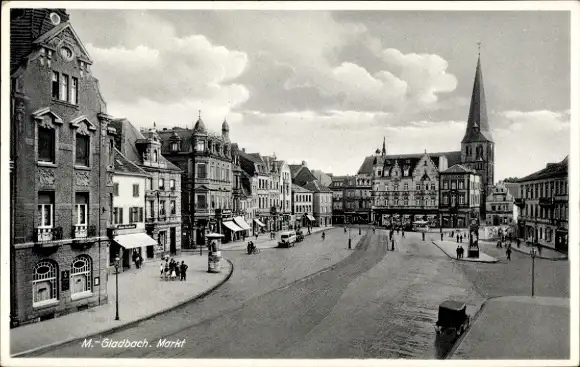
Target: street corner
449	249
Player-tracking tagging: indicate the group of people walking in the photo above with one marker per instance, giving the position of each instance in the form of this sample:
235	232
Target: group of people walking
171	269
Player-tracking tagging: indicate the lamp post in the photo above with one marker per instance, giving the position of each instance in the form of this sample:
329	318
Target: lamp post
349	237
117	263
533	256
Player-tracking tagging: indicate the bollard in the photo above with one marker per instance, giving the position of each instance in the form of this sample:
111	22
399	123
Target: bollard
349	244
359	230
392	245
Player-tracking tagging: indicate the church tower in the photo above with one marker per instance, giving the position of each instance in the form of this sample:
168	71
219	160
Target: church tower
477	146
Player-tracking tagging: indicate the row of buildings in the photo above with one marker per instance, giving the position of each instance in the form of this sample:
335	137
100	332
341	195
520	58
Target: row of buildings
451	189
89	191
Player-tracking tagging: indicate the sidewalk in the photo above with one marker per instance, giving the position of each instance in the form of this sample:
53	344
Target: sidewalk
546	253
518	327
449	248
142	294
264	240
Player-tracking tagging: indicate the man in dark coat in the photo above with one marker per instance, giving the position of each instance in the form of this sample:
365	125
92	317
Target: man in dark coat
183	271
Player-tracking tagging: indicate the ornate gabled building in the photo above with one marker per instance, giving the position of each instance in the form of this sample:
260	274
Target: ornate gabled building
400	182
61	170
405	187
207	199
500	206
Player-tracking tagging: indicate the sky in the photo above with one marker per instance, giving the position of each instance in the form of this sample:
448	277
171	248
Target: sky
326	86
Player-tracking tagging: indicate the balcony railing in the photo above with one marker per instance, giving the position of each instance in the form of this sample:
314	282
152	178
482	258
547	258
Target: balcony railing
44	235
80	231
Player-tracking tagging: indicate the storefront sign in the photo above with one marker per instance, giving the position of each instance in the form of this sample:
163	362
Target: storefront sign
64	280
127	226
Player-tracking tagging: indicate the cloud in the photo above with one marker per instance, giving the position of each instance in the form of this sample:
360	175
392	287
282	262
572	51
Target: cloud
152	63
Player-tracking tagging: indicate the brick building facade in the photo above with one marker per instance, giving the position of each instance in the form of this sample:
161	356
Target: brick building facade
61	170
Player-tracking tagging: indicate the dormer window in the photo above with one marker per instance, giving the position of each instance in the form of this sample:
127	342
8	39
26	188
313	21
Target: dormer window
200	146
174	147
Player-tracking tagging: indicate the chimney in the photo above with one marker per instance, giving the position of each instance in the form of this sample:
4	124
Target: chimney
304	164
244	150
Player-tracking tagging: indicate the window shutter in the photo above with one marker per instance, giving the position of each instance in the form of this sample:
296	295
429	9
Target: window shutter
120	215
141	214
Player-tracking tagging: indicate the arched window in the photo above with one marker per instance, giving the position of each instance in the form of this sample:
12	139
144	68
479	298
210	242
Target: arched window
44	283
155	155
81	275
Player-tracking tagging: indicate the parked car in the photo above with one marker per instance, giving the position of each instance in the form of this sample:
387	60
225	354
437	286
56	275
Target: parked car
452	317
287	239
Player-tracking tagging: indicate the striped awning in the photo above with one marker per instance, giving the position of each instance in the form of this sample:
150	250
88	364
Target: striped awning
259	223
310	217
241	223
129	241
232	226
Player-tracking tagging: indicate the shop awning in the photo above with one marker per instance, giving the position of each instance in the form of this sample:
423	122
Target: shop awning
310	217
259	223
133	240
241	223
232	226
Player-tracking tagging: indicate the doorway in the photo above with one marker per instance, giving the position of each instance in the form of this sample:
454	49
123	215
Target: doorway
150	252
172	244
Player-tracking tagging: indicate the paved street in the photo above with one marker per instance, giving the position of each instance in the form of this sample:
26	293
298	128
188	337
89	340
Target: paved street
376	303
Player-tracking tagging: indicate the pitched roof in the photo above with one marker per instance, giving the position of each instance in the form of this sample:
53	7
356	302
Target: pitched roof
324	178
296	188
303	176
127	136
477	125
513	188
453	158
559	169
458	168
123	165
294	168
316	186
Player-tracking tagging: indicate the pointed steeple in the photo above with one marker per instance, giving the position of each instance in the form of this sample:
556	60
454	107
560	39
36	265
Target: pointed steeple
384	146
477	123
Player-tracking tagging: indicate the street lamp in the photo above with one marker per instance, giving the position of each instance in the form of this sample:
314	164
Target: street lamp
349	238
533	256
117	263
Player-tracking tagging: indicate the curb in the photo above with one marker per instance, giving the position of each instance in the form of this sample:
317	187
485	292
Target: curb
541	257
130	324
472	322
468	261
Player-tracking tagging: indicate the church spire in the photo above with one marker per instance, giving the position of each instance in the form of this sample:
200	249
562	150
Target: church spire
477	123
384	152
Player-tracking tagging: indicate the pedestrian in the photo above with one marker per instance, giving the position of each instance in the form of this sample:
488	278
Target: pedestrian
423	235
135	259
518	242
457	239
392	245
177	271
452	233
441	236
461	238
344	229
173	273
161	269
508	252
183	271
457	252
166	274
256	236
